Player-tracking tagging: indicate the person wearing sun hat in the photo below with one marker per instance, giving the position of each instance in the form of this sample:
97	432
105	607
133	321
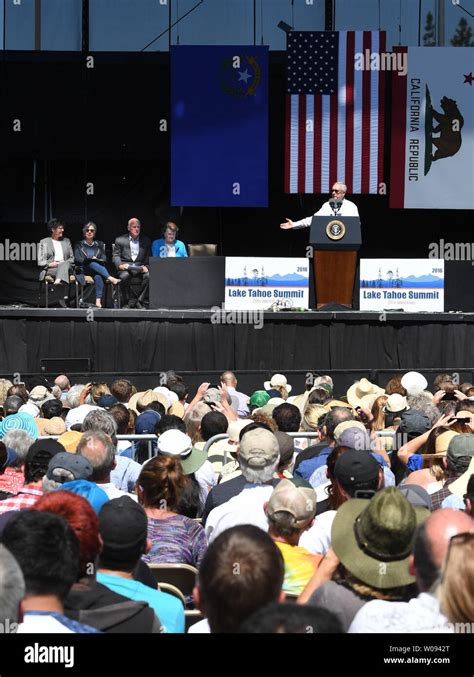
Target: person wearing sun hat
69	440
360	389
372	541
39	395
20	421
54	426
423	612
223	454
396	405
279	382
369	532
414	382
193	460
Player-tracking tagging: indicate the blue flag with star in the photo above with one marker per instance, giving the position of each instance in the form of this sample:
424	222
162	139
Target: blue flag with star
219	126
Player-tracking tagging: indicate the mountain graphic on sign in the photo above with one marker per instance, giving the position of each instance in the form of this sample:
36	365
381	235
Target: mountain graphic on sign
289	277
421	278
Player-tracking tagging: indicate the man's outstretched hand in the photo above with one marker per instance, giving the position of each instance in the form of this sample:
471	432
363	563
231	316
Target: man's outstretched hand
288	224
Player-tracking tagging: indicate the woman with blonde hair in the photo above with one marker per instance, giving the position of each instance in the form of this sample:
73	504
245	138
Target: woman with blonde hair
97	390
193	421
309	423
5	385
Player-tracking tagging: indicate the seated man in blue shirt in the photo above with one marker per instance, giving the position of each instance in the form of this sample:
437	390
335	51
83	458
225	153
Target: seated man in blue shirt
123	527
168	245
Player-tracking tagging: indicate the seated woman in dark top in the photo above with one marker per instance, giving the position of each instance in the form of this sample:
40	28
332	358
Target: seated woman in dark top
90	254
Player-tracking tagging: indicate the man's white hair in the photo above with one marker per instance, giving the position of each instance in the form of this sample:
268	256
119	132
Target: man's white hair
73	396
343	186
20	442
260	475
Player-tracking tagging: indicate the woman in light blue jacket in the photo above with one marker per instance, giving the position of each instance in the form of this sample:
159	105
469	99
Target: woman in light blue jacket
168	245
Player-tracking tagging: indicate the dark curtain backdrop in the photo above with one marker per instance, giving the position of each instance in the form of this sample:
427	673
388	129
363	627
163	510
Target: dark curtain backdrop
157	345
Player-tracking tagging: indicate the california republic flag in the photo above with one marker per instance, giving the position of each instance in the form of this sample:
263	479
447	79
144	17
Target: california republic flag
432	158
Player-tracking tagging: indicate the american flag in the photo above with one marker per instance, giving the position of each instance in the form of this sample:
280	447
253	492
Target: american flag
334	127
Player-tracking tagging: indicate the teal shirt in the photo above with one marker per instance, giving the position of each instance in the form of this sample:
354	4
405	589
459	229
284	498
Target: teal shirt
169	609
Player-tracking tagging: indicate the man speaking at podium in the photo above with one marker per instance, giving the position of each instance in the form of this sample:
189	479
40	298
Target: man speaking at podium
336	206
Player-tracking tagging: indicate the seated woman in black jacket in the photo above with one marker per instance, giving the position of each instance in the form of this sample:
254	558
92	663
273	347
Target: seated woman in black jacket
90	254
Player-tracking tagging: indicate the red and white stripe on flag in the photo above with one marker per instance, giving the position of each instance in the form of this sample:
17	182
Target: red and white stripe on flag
339	137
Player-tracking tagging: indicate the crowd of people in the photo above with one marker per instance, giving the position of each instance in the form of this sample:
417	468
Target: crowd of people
305	512
58	259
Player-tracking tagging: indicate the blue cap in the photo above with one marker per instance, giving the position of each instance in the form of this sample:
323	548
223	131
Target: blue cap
89	490
107	401
147	422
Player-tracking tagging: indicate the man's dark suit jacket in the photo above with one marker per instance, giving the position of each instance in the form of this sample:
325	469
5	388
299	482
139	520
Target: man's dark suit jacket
121	251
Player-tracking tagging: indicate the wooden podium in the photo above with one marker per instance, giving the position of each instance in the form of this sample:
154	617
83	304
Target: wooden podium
335	241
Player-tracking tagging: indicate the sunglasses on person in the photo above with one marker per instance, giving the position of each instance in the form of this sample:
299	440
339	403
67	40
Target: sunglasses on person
90	230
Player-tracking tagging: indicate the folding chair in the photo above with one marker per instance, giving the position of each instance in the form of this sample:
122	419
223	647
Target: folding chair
48	281
191	616
172	590
182	576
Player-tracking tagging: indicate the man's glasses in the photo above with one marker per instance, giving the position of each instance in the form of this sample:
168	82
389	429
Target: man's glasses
336	191
90	230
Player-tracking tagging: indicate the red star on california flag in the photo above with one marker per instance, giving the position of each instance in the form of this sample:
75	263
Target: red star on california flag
468	78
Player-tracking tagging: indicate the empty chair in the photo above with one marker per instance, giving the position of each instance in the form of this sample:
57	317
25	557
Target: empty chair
202	249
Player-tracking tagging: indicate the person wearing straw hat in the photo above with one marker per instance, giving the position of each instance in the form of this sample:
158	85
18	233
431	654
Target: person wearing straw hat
279	382
360	389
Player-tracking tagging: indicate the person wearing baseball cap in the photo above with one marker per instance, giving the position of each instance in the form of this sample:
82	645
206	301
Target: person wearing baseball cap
66	467
258	399
290	512
458	457
123	528
356	473
259	455
36	466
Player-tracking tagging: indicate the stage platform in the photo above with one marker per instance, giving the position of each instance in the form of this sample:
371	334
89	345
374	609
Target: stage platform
201	344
